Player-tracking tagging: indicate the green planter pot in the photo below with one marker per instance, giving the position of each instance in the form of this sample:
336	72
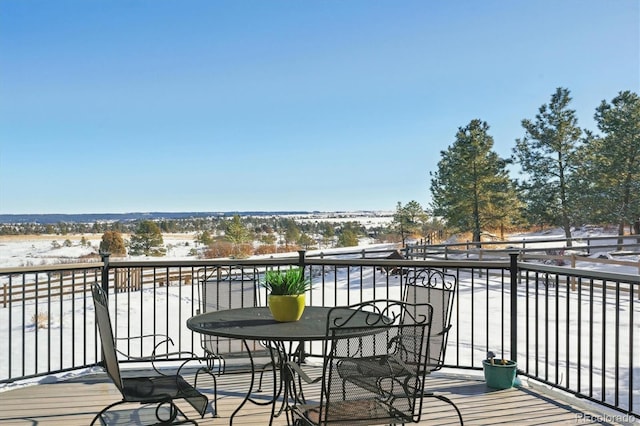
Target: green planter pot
286	308
499	376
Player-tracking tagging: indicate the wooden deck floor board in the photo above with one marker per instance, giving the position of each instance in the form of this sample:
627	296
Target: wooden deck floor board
76	401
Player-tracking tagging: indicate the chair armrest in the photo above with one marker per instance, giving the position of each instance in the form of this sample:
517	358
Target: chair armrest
444	331
304	376
155	356
164	339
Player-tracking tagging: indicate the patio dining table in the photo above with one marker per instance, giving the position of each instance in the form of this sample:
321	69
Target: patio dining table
256	323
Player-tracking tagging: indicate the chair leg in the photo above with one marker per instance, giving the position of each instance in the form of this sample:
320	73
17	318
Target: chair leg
215	388
270	364
104	410
174	411
448	401
173	414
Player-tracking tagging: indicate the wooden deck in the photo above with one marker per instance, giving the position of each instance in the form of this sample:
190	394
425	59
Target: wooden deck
75	402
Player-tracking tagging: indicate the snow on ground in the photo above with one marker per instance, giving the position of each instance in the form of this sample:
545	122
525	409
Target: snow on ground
366	220
36	250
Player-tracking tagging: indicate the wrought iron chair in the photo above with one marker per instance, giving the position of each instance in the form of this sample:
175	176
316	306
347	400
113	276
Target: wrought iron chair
221	289
438	289
227	288
162	389
390	351
426	285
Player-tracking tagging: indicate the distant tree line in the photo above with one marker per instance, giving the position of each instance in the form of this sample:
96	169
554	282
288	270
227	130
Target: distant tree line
124	227
234	236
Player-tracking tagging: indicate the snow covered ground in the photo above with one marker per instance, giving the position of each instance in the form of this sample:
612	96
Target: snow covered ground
36	250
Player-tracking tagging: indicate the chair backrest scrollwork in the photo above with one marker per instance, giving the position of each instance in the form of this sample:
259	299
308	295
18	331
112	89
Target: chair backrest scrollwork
438	289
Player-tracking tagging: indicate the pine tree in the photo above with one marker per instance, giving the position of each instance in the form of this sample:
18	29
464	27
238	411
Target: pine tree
328	232
347	238
306	241
147	240
471	189
547	156
236	232
204	238
409	219
292	232
238	235
614	161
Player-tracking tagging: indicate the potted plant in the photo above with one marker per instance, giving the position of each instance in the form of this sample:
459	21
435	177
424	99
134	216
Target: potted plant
499	374
286	289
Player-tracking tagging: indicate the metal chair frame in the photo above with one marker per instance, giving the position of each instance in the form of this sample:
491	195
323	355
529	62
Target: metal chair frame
162	389
437	288
227	288
220	289
390	351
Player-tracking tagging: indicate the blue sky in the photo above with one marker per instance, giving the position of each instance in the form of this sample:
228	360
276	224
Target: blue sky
182	105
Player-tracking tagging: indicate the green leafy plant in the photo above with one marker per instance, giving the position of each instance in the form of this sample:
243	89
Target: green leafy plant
287	282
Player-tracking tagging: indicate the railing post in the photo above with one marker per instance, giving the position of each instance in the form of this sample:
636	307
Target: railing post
301	260
105	271
573	266
514	305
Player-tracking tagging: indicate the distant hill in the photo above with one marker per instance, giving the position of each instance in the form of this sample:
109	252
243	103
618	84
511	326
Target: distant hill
125	217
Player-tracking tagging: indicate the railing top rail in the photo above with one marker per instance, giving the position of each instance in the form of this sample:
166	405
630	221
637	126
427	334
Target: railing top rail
563	270
292	260
204	262
412	263
514	241
313	261
48	268
368	252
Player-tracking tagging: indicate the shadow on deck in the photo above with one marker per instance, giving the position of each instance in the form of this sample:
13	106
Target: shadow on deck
75	402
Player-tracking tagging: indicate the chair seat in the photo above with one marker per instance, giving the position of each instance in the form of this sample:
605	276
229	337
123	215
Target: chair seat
379	366
155	388
370	373
358	412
